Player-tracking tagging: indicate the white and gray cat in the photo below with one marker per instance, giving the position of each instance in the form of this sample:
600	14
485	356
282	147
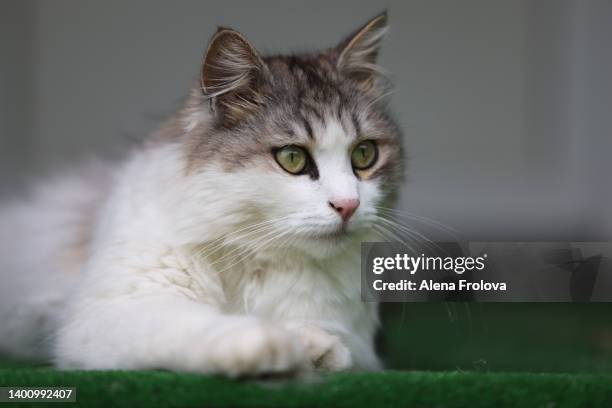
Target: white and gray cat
229	241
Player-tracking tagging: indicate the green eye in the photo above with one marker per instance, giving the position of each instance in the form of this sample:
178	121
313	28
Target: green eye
291	158
364	155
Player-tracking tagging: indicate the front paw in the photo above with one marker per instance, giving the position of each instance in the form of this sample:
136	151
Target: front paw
326	351
256	349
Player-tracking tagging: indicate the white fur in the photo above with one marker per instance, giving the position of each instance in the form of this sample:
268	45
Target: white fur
176	279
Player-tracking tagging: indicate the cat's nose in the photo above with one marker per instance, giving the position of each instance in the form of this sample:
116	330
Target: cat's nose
346	208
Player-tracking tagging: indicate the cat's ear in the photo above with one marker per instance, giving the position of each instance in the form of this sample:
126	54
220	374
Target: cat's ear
231	76
358	53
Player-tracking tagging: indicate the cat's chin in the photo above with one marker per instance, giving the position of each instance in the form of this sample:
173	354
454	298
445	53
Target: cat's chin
328	244
321	248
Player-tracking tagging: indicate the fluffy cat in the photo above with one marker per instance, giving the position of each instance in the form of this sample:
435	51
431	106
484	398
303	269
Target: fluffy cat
229	241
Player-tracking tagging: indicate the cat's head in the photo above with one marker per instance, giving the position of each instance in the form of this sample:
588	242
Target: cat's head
302	144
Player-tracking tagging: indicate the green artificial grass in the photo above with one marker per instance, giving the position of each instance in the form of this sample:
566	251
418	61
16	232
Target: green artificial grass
504	337
453	355
384	389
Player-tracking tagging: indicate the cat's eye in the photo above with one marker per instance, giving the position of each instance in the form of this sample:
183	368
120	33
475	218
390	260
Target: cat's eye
292	158
364	155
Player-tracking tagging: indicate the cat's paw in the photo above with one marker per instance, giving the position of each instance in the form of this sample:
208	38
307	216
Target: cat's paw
326	351
255	350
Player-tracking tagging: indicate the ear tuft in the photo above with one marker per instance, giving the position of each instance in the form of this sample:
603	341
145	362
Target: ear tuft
231	71
358	53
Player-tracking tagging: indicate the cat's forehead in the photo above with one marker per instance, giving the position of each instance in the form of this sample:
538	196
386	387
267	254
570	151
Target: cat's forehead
313	105
310	84
331	134
328	129
304	72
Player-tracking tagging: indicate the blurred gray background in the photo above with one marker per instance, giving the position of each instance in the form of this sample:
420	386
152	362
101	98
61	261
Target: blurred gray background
506	105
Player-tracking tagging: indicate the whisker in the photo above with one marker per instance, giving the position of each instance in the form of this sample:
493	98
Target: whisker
394	237
243	250
415	234
425	220
226	244
222	241
261	244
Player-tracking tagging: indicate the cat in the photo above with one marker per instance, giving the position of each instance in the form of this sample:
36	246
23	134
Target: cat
228	242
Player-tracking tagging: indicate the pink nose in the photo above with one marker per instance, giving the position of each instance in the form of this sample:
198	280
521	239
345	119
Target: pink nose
346	208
